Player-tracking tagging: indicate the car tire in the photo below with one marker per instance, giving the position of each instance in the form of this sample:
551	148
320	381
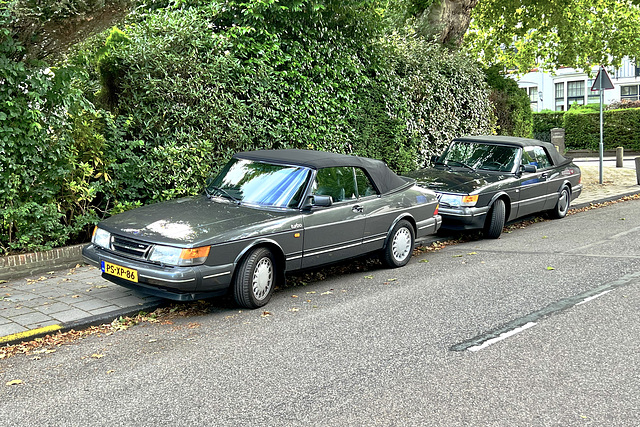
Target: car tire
399	247
255	279
495	221
562	205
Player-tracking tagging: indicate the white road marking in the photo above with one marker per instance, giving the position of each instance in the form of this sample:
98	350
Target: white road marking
593	297
502	336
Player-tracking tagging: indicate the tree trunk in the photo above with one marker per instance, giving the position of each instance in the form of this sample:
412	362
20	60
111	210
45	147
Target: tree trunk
447	20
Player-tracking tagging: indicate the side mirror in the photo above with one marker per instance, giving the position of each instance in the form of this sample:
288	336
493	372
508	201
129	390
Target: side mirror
530	168
322	201
434	159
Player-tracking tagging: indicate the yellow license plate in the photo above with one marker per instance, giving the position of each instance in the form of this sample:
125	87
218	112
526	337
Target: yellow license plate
118	271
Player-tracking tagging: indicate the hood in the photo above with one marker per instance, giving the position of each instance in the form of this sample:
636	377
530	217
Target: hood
454	181
196	221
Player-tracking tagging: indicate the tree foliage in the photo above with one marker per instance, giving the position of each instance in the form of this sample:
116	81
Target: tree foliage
523	34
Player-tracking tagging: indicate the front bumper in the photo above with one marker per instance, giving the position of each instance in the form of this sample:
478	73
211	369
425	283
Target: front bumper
174	283
463	218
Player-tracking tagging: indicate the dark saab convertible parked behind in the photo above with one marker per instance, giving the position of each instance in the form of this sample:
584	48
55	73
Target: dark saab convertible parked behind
484	181
266	213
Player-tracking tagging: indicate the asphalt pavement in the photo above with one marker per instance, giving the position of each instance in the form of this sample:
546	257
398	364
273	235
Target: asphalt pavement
76	298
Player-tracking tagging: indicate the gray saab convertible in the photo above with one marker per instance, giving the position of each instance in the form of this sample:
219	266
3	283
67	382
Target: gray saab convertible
266	213
485	181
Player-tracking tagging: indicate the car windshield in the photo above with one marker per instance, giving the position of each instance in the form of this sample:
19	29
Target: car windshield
472	155
262	184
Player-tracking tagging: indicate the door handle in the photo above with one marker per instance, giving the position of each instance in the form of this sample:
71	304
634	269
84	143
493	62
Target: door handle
544	176
357	208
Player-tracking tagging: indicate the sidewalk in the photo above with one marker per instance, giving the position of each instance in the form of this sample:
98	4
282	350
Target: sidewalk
76	298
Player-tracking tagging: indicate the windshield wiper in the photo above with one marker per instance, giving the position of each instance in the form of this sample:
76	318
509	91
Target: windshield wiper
461	164
223	192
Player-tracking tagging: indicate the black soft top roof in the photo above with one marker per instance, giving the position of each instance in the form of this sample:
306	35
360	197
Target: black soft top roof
382	176
556	157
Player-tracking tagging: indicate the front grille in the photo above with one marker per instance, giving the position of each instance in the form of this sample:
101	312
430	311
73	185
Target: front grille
130	247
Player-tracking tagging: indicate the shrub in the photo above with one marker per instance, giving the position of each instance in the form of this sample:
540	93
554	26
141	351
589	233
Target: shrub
620	128
544	121
510	104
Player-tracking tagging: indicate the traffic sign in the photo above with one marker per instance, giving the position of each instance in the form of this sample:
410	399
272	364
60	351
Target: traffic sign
602	81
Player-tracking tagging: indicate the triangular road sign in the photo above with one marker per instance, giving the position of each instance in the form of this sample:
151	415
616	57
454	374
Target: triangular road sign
602	81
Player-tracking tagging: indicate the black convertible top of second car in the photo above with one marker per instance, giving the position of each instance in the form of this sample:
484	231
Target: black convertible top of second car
383	177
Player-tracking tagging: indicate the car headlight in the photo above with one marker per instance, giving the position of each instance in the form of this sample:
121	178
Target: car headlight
101	238
456	200
177	256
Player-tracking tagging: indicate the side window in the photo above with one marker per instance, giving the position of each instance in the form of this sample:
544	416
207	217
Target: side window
542	157
528	158
339	183
536	156
365	187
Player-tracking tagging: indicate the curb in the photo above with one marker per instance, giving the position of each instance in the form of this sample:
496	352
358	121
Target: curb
78	324
605	199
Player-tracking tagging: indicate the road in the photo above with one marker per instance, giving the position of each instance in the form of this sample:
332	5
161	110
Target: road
558	302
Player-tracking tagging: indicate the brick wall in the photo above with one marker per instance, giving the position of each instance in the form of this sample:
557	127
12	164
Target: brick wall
24	265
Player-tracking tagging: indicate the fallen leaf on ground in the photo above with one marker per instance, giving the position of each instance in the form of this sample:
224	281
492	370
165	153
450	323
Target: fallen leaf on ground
97	356
550	268
14	382
265	314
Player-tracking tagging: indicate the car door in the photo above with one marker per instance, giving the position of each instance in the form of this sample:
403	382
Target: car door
335	232
534	186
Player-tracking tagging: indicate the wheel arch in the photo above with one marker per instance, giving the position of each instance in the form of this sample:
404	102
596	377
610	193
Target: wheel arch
507	204
565	183
406	216
275	249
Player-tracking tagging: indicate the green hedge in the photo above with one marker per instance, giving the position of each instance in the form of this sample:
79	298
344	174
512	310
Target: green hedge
621	128
545	121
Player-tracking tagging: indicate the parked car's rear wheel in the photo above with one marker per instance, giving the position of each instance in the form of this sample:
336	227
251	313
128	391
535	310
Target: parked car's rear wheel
255	279
562	206
495	222
399	245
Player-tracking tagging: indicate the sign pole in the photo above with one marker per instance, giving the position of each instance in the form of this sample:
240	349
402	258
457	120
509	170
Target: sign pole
601	131
602	83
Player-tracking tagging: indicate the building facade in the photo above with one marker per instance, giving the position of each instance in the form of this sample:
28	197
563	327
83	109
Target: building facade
568	86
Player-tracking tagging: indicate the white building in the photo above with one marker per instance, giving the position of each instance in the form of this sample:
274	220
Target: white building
558	92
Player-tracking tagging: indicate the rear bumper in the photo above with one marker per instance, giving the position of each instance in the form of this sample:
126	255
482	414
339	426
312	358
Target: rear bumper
175	283
429	226
576	191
